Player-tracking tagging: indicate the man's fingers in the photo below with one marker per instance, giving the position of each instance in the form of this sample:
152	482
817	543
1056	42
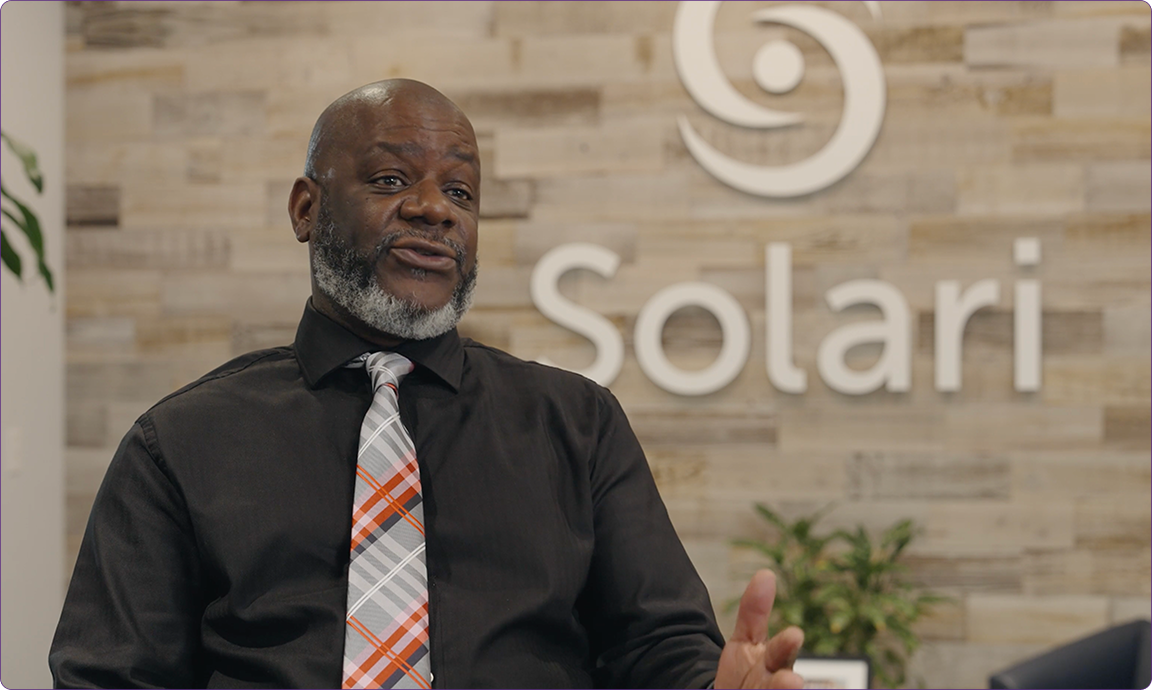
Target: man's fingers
786	679
755	607
783	648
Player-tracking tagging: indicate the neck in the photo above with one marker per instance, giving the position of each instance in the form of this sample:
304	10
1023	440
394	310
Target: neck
324	304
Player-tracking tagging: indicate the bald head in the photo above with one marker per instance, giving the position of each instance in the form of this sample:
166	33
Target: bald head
347	115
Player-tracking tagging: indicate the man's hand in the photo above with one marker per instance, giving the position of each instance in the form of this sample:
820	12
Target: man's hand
750	659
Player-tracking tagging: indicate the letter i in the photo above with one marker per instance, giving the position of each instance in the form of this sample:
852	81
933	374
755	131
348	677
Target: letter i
1027	318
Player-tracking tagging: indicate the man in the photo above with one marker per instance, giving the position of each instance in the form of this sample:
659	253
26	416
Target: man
243	537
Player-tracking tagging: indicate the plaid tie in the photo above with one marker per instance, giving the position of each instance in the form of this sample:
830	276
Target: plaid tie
386	638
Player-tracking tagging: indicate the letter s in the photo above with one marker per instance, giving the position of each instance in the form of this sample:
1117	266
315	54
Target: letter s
547	298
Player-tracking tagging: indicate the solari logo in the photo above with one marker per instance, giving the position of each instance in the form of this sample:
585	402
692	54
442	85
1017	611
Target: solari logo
778	67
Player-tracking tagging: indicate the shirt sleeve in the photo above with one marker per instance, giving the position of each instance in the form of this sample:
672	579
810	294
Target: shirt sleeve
132	614
648	615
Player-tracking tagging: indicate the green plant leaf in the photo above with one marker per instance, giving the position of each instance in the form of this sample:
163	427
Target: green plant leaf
775	553
10	257
28	159
30	225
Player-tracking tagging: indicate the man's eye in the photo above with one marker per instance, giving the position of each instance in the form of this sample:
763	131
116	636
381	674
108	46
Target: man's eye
461	194
388	181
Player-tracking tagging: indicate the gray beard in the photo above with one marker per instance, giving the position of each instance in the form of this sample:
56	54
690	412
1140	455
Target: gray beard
348	278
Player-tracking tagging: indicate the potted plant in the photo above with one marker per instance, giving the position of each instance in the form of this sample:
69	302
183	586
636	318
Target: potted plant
846	592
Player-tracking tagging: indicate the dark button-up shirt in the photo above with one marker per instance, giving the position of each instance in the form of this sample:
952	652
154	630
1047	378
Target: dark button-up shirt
217	550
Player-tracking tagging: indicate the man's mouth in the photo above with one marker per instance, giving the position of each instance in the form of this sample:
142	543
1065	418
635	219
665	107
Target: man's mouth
420	253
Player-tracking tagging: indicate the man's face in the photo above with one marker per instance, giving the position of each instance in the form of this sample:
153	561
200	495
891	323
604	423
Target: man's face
399	208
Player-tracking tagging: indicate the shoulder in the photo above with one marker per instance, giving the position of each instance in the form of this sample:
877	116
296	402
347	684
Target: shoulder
486	361
234	380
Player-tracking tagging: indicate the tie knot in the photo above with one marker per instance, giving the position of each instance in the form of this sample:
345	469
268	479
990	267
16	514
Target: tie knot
387	369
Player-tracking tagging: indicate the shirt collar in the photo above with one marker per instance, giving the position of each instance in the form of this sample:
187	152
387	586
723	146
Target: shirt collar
322	346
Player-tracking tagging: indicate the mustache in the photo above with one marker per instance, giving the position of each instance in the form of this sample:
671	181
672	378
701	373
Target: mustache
386	242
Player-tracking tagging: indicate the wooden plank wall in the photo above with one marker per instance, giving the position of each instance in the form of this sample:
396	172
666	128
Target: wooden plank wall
186	123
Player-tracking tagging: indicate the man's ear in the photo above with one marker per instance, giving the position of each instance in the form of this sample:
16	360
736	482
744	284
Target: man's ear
303	207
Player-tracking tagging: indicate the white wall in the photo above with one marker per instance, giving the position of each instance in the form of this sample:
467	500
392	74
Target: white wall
32	380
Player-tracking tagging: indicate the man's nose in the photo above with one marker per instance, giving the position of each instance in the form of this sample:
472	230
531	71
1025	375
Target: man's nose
426	202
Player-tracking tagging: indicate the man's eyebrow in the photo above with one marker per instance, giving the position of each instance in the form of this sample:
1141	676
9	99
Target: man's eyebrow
412	149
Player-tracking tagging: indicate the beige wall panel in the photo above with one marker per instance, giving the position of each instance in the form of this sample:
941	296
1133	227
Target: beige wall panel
291	111
965	12
1056	43
1124	609
1108	523
117	249
612	198
495	242
1084	282
545	152
112	162
966	573
960	528
1077	380
459	62
503	287
1080	140
1126	426
233	113
85	425
1120	186
139	380
944	621
862	428
262	159
1109	236
259	334
452	20
1022	425
1127	330
96	338
107	113
879	476
1123	571
1135	42
268	295
1104	8
145	67
260	63
966	665
925	90
542	106
273	250
532	240
1063	332
791	476
185	336
548	18
1062	475
1107	93
1032	189
578	59
192	205
1000	619
984	240
1047	573
113	293
914	140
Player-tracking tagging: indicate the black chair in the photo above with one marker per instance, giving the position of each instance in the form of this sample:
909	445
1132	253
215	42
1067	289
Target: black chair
1114	658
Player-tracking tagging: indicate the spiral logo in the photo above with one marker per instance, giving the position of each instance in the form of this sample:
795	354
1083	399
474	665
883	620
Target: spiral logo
777	68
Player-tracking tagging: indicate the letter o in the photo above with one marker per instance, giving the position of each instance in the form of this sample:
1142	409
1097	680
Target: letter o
736	338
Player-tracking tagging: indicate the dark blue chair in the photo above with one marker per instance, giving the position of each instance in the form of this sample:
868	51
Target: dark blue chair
1114	658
